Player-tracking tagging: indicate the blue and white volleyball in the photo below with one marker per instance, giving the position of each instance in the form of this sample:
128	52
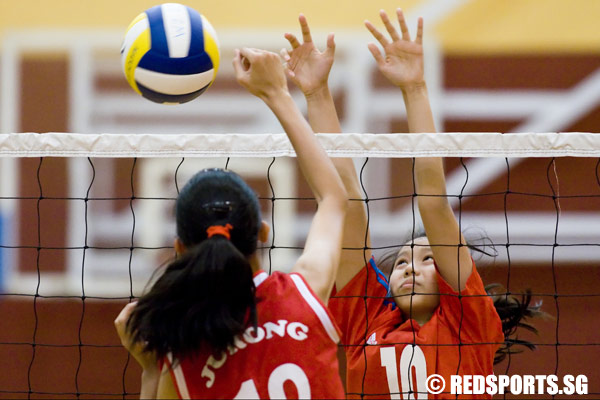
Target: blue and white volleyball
170	54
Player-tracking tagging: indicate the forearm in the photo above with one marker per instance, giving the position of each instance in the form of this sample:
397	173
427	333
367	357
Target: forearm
438	217
429	171
418	109
312	158
321	256
322	114
323	118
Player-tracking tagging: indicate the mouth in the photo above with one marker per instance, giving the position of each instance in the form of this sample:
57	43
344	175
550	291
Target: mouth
408	284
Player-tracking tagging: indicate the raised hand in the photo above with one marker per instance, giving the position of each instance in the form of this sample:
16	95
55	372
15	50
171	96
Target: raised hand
403	61
260	72
305	65
146	360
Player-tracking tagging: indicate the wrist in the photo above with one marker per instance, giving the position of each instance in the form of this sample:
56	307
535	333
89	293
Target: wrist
150	371
278	101
414	88
318	94
274	96
415	93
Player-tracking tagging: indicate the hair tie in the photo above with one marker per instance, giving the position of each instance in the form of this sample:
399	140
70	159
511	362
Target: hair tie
222	230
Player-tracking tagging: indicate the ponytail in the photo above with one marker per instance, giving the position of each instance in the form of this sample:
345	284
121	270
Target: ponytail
206	296
197	302
514	314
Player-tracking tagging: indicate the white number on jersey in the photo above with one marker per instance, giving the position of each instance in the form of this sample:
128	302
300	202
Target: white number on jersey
412	358
281	374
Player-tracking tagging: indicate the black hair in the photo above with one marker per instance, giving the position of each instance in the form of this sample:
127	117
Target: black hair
514	313
206	296
514	310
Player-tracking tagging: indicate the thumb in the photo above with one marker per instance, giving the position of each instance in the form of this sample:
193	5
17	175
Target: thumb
285	55
376	54
330	51
290	74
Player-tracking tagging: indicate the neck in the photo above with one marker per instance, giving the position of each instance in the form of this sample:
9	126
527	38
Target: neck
421	316
255	263
422	319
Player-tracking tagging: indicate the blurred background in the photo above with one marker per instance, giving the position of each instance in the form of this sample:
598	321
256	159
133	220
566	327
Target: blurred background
492	66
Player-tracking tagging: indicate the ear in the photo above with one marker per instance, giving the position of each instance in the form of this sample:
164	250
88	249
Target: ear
179	246
263	232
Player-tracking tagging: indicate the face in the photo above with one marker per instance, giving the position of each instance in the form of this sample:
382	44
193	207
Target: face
414	271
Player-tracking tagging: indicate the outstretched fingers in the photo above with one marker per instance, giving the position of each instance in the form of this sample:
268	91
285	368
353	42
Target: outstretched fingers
403	26
292	39
306	37
378	35
419	39
376	53
388	26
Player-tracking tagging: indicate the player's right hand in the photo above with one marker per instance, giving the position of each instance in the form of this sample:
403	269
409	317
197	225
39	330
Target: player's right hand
260	72
403	61
305	65
146	359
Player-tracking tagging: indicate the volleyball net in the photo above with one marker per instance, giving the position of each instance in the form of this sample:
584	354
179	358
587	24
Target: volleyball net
85	220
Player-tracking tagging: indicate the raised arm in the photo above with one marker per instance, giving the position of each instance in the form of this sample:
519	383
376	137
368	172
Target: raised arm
309	69
148	362
403	66
262	73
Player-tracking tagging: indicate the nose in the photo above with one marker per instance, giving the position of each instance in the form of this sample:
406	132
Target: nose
408	270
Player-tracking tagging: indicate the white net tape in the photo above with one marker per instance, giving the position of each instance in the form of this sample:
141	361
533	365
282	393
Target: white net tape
571	144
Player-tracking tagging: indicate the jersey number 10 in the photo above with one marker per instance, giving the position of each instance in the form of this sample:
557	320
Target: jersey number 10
284	372
413	368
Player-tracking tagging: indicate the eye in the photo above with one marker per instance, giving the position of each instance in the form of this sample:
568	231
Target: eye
400	263
428	257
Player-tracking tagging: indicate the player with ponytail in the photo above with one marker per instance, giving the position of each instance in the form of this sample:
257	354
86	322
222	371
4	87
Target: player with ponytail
214	324
207	291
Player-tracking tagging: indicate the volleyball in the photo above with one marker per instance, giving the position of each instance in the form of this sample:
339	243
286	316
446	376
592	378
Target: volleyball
170	54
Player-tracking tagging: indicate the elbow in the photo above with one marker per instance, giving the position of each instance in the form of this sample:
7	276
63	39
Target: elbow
338	204
342	199
337	197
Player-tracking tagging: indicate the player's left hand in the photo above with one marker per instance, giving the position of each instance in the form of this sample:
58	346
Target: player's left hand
146	359
305	65
403	61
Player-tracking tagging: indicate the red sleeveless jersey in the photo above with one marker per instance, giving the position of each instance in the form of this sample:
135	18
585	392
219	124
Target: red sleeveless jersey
292	353
389	356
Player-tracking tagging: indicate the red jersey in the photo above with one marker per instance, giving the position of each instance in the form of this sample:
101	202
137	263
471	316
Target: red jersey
291	354
389	356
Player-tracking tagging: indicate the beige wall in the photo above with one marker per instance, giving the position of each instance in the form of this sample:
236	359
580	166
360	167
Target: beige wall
479	26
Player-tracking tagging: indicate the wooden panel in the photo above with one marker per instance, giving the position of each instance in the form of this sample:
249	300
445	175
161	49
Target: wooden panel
44	108
517	72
